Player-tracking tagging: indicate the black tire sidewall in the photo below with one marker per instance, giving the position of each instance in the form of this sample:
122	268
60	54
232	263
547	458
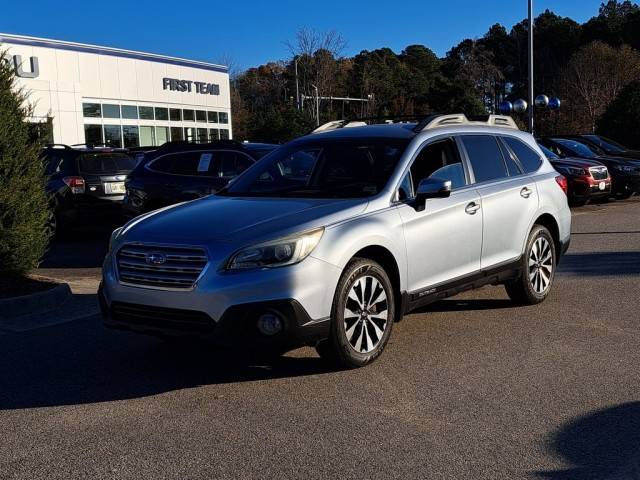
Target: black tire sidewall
356	269
537	232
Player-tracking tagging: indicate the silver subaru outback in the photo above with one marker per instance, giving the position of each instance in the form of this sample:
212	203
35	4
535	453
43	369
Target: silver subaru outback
333	237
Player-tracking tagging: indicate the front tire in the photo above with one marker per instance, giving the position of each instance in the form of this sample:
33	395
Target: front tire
538	269
362	316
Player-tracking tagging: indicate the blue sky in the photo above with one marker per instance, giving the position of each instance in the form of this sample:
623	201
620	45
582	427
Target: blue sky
251	32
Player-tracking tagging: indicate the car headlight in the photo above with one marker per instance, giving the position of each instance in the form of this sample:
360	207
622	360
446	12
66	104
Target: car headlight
276	253
114	236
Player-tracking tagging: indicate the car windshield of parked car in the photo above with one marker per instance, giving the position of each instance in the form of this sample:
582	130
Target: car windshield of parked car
102	162
548	153
606	144
328	168
576	148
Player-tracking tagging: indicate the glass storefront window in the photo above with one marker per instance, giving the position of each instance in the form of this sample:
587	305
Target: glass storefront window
201	116
113	136
188	115
92	110
93	134
224	117
146	113
110	110
130	112
162	113
214	134
176	134
175	114
202	135
224	134
190	134
147	136
213	117
162	135
130	135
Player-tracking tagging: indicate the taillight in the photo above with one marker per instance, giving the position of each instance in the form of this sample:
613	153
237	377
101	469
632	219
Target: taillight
562	181
76	184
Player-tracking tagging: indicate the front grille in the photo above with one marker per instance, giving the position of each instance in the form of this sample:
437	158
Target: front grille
599	173
161	318
160	266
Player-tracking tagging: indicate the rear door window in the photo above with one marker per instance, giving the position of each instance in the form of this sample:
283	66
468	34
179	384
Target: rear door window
187	163
233	164
106	163
485	157
528	157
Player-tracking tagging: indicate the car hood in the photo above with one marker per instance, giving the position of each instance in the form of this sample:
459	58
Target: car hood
239	219
609	159
576	162
629	154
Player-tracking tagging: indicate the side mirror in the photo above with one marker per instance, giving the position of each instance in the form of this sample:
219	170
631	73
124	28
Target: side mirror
431	188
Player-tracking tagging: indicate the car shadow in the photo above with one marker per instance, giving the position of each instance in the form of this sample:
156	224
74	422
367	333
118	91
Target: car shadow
79	247
597	264
82	362
459	305
602	445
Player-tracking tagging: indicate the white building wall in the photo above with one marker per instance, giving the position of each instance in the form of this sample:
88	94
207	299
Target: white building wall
68	77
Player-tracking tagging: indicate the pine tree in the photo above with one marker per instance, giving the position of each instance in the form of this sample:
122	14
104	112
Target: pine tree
23	201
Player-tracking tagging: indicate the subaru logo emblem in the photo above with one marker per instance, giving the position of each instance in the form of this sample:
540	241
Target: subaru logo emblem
155	258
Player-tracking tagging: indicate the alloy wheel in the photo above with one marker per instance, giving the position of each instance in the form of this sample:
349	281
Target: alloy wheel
540	265
365	314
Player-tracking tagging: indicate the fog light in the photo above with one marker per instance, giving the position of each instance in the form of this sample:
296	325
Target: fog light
270	324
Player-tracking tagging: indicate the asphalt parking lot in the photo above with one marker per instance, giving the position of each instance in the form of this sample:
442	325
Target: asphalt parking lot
470	387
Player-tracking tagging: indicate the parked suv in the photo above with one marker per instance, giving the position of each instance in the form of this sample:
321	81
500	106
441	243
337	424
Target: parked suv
84	183
181	171
334	236
587	179
625	173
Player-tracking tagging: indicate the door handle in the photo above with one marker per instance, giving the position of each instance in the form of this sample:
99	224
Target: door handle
526	192
472	208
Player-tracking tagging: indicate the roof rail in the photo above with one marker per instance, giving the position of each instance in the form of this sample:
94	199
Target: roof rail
436	121
57	145
363	121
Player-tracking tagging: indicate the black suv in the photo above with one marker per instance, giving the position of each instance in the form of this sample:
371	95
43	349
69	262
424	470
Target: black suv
605	145
181	171
84	182
625	173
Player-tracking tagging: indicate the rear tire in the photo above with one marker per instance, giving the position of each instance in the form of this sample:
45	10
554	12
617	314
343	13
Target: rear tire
362	316
538	269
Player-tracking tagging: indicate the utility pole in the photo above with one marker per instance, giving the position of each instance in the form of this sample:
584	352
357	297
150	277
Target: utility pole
531	99
295	62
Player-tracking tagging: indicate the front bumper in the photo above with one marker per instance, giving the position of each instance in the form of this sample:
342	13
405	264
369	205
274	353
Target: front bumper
225	306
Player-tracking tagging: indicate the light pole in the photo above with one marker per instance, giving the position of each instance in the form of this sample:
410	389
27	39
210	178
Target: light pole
530	56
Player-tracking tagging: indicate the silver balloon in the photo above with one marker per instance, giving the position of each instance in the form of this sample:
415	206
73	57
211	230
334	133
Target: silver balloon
542	101
520	106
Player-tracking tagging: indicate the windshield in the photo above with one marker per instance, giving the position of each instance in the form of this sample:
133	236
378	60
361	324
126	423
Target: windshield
329	168
106	162
548	153
576	148
605	143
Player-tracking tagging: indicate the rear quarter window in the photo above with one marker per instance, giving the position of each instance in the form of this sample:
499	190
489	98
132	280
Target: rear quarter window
529	158
106	163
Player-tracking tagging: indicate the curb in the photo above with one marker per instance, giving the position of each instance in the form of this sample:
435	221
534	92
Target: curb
35	303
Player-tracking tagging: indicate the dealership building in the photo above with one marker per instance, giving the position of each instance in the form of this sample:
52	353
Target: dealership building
86	94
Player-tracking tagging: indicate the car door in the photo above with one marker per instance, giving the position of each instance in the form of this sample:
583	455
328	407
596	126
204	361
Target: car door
509	198
444	240
229	164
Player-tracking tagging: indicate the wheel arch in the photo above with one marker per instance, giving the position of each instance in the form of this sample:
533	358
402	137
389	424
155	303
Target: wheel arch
387	261
550	223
